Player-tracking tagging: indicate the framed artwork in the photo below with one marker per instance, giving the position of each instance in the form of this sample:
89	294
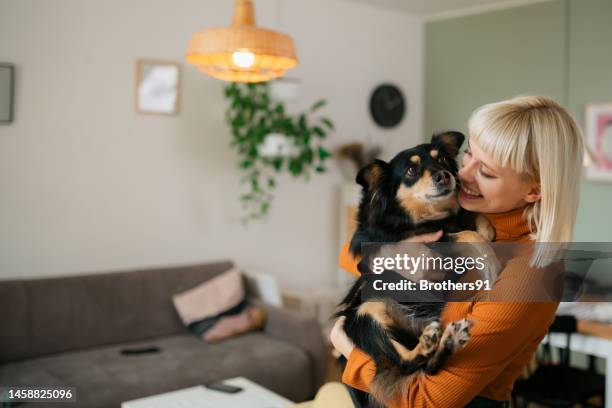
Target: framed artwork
158	87
598	128
7	92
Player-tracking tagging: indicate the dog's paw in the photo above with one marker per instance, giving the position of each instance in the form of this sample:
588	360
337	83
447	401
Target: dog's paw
430	337
457	334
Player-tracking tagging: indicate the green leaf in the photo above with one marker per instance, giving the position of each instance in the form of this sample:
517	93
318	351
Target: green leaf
278	163
237	121
271	182
323	153
277	125
307	155
295	166
231	90
255	185
302	122
318	105
288	127
319	132
265	100
320	169
328	123
252	153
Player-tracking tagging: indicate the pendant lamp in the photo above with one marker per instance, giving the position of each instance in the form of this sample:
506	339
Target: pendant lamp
242	52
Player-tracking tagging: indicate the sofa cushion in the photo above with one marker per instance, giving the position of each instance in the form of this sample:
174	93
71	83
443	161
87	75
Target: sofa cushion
104	377
45	316
210	298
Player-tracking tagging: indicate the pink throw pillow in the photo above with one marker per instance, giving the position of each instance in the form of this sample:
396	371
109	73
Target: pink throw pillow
210	298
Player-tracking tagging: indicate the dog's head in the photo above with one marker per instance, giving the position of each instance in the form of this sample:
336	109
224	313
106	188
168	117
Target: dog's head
418	185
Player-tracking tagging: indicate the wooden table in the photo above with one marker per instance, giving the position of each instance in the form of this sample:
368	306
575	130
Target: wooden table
596	329
595	339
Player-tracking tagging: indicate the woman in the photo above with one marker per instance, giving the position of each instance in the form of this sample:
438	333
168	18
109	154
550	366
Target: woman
521	169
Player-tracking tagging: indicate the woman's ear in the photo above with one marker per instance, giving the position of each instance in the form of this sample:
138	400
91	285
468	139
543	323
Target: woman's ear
534	194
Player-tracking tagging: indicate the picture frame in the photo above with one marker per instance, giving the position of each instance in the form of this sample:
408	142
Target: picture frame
7	92
598	135
157	87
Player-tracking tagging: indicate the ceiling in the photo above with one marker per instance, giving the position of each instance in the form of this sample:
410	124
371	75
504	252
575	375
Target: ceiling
431	8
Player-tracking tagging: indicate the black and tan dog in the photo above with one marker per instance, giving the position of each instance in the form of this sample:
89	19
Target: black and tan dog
413	194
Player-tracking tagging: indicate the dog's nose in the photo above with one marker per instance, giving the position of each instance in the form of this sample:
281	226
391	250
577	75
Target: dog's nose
441	177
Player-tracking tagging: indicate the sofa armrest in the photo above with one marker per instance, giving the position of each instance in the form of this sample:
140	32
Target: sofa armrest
305	333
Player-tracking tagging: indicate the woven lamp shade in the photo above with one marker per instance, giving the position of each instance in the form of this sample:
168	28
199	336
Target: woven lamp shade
266	54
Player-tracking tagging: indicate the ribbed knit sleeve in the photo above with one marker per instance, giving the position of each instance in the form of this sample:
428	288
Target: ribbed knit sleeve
347	261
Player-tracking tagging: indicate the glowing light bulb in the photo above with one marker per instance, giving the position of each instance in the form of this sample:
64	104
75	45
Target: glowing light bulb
243	58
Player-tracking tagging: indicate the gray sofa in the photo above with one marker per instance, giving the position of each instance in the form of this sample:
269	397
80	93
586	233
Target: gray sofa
69	332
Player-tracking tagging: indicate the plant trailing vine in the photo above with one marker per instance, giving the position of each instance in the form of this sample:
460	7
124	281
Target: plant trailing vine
252	115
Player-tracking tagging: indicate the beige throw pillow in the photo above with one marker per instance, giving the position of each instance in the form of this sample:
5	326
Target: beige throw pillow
210	298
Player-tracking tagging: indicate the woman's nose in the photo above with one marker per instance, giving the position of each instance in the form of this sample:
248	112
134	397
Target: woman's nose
468	171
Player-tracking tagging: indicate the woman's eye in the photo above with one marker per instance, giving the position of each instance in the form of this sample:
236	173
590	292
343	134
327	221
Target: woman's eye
412	172
467	152
485	175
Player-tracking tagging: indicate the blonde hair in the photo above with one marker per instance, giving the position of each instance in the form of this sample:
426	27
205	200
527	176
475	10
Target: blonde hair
539	139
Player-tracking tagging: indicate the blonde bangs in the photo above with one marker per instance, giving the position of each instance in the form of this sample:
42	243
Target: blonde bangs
504	135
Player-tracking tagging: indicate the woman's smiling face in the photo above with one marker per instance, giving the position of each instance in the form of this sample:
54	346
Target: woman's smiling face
487	187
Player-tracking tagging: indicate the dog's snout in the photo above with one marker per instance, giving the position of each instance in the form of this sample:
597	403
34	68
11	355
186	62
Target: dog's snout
442	177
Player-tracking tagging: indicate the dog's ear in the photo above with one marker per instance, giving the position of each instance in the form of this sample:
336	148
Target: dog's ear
371	175
449	141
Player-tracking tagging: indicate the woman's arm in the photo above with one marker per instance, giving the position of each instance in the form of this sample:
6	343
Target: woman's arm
347	261
501	331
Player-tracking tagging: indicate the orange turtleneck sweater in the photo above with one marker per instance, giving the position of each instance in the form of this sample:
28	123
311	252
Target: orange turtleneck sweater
503	339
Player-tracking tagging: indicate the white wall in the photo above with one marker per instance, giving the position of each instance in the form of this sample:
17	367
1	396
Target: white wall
88	185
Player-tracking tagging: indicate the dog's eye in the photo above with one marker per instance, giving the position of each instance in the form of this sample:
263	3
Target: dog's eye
442	160
412	172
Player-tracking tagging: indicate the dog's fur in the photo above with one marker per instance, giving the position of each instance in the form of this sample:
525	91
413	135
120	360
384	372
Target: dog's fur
413	194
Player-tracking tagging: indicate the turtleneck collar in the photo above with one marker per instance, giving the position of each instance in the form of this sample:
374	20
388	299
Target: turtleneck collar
510	226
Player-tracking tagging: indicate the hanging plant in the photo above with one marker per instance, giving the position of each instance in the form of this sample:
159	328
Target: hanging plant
269	141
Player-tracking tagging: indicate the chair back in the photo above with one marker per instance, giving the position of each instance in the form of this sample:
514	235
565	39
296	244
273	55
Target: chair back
567	325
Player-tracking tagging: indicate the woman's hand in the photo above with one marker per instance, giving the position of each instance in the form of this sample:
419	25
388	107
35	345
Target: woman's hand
424	238
339	339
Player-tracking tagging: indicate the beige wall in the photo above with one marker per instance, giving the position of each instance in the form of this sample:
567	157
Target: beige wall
88	185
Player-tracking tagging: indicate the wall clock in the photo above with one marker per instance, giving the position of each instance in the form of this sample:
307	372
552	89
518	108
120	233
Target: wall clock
387	105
